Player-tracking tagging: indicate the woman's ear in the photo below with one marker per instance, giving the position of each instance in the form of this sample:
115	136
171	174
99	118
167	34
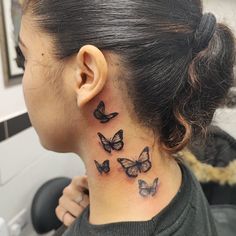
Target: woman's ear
91	74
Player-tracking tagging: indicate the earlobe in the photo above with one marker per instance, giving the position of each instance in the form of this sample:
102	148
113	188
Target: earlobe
91	74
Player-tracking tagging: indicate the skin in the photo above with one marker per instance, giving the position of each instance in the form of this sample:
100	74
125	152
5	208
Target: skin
61	97
70	205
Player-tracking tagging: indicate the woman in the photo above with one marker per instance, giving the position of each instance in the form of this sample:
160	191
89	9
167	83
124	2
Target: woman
125	85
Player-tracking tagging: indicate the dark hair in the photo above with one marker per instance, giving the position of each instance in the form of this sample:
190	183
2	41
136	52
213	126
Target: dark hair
180	62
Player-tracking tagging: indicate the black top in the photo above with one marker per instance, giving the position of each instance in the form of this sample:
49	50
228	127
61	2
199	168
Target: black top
187	214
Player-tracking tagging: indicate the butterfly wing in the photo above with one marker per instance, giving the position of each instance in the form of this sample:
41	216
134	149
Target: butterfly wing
99	113
144	160
112	115
154	186
126	163
100	116
105	143
132	171
101	107
106	118
106	166
130	167
117	141
99	167
144	156
144	189
146	166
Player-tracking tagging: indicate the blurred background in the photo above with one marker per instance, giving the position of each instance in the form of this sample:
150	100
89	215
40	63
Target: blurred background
25	166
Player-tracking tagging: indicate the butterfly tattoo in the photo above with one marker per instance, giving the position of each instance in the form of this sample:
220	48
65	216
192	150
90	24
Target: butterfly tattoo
133	168
116	143
145	190
104	167
99	113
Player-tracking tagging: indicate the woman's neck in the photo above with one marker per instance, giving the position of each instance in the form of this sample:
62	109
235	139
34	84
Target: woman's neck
126	190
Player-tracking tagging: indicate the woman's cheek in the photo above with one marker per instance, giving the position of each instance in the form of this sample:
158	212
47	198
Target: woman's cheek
31	93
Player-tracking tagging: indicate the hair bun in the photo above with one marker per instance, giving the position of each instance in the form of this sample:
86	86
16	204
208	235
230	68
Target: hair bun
204	32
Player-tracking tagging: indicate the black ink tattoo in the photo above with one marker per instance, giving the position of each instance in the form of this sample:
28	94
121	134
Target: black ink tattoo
145	190
133	168
116	143
104	167
99	113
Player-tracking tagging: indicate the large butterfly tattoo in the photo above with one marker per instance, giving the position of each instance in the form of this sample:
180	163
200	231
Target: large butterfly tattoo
145	190
133	168
116	143
104	167
99	113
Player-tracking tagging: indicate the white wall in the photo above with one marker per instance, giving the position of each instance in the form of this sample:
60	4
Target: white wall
225	11
25	167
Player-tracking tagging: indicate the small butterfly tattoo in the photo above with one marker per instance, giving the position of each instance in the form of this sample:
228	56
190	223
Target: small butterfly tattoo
116	143
145	190
133	168
104	167
99	113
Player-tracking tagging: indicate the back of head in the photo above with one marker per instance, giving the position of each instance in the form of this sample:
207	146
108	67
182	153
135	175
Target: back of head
178	62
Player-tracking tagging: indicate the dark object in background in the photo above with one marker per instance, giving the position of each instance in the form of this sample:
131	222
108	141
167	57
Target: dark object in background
225	218
45	201
219	194
230	101
18	124
218	150
2	132
13	126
